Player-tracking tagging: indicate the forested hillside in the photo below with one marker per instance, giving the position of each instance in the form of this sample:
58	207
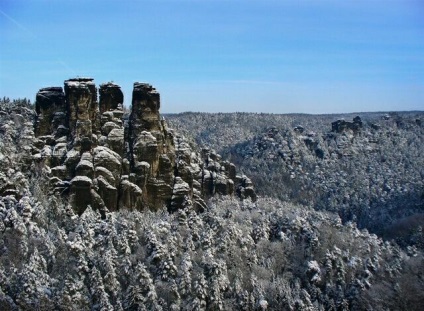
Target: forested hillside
272	254
371	173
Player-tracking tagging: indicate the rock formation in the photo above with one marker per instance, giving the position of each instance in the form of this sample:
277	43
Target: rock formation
105	159
340	126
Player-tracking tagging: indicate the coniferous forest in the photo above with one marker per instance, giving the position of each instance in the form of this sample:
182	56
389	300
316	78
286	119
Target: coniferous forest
322	212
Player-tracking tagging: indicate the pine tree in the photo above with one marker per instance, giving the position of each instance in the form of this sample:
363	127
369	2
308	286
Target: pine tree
99	297
141	295
35	288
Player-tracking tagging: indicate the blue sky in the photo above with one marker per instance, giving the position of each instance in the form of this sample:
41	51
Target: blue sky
221	56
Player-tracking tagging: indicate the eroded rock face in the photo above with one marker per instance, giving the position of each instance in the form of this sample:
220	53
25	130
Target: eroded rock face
340	126
83	111
110	162
51	112
111	97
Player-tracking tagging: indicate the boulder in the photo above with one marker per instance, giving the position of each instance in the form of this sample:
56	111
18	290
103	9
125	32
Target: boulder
115	140
245	188
130	195
85	168
109	126
71	161
158	194
80	191
59	153
146	149
108	193
223	185
59	172
180	194
105	173
106	157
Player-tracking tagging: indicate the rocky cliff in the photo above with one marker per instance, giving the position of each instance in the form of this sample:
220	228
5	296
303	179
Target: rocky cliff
100	157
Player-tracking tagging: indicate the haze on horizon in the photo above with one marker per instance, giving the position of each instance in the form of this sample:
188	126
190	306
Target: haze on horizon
223	56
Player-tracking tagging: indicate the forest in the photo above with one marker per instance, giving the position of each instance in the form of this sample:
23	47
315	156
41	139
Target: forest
337	224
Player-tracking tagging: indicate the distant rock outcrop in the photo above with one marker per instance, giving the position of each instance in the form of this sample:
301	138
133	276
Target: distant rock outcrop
340	126
104	159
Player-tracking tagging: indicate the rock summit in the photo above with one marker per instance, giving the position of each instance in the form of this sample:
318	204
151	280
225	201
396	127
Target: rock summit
103	156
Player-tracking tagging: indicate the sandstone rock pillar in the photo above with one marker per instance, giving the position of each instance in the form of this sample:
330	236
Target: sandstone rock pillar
102	159
111	113
51	111
145	109
81	97
111	97
151	147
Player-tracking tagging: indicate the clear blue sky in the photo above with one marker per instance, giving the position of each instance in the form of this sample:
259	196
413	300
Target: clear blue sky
211	55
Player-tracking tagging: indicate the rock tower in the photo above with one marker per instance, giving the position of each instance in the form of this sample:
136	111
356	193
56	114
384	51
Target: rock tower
101	156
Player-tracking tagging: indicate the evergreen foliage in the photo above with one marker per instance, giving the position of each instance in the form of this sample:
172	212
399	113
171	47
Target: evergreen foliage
372	176
270	254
